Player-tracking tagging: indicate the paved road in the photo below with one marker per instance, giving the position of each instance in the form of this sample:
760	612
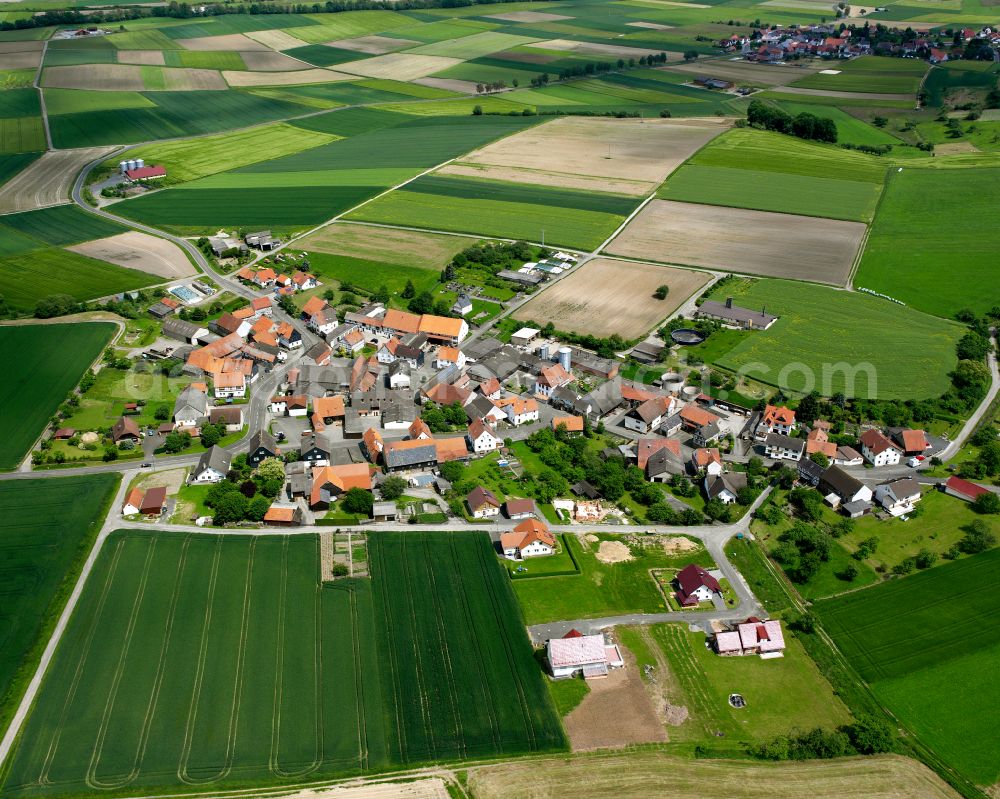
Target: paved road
969	427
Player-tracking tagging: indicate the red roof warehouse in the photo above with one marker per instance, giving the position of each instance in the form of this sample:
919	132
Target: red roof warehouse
146	173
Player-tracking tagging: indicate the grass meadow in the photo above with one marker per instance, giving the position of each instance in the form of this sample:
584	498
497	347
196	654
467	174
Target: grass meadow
825	337
926	245
927	646
36	386
46	528
222	660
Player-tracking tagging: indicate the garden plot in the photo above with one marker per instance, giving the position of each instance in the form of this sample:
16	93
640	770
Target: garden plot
230	41
737	240
135	250
573	153
606	296
242	79
100	77
400	66
373	45
271	62
276	40
152	58
598	49
46	181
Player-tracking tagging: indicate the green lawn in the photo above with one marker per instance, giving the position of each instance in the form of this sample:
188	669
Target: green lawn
602	589
926	246
837	341
47	529
567	694
36	387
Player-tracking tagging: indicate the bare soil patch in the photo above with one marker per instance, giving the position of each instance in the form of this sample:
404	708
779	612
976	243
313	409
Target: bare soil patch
48	180
528	16
276	40
299	77
678	544
613	552
95	77
22	59
653	26
141	251
373	45
151	58
596	48
188	80
451	84
21	47
171	479
606	296
229	41
664	690
641	775
740	72
617	712
389	245
400	66
955	148
565	151
738	240
271	62
430	788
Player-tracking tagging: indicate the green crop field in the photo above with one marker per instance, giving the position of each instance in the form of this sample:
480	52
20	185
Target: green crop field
37	386
493	208
19	103
10	165
926	246
58	226
22	135
75	101
870	74
772	191
850	130
322	56
195	59
927	645
837	341
46	528
222	660
371	275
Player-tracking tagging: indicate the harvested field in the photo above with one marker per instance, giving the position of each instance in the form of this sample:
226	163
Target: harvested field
141	251
606	296
737	240
189	80
847	95
22	59
653	26
276	39
271	62
96	77
21	47
151	58
46	181
230	41
373	45
450	84
573	152
404	247
643	774
527	16
617	712
400	66
596	48
740	72
302	76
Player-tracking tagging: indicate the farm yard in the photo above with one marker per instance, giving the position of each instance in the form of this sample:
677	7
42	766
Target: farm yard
752	242
915	640
836	341
607	296
358	659
36	386
46	528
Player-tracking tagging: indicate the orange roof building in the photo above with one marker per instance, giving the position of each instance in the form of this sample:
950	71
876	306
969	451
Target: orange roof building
573	424
329	482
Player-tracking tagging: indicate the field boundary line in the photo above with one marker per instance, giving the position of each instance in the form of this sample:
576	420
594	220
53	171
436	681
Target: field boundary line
41	96
109	703
890	170
81	661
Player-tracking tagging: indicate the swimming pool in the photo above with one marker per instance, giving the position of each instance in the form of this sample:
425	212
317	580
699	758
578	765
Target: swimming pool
184	293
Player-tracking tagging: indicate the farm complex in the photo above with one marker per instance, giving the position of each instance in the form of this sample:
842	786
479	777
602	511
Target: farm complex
456	400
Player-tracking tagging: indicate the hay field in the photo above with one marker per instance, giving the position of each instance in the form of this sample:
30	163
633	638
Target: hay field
95	77
606	296
400	66
135	250
373	44
276	39
48	180
573	152
643	774
271	62
242	79
151	58
392	245
738	240
229	41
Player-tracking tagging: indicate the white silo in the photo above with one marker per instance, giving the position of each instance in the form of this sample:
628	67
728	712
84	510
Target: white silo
565	357
139	163
123	167
544	351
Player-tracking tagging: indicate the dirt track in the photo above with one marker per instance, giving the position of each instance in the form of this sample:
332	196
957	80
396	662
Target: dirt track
46	181
431	788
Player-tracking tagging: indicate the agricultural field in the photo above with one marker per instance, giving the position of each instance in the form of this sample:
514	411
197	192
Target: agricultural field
915	640
46	530
836	341
565	217
638	775
619	156
869	74
606	296
398	670
36	386
935	244
46	181
738	240
141	252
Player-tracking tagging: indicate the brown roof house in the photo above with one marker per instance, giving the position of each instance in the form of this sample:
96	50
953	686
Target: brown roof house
125	429
482	503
